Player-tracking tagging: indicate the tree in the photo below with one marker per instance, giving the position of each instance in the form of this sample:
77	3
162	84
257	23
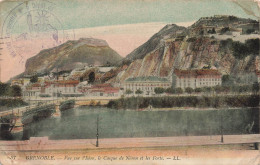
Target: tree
34	79
212	31
159	90
206	89
189	90
255	88
138	92
179	90
240	50
253	46
170	90
91	77
227	80
128	92
224	30
16	91
4	89
249	31
198	90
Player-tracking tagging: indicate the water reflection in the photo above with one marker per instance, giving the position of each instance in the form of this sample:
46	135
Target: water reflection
80	123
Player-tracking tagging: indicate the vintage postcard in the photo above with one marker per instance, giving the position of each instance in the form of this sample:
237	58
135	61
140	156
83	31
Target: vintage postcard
129	82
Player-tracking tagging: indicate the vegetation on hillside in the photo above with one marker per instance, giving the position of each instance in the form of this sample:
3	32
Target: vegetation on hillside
241	50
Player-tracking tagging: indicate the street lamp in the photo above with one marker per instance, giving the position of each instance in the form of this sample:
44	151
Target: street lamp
0	59
221	120
97	131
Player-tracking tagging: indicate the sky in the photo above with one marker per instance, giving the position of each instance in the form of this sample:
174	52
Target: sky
124	24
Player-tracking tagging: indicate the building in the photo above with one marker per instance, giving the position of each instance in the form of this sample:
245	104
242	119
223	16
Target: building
33	90
63	87
105	69
248	77
76	75
146	84
20	82
196	78
106	90
258	76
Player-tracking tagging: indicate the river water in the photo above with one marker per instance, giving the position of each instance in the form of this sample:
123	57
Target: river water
81	123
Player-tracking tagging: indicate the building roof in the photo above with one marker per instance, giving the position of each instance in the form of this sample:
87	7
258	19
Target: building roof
145	79
36	85
62	82
102	85
106	88
105	69
67	82
197	72
257	72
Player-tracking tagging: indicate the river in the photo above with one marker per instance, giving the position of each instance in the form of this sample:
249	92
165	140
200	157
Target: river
81	123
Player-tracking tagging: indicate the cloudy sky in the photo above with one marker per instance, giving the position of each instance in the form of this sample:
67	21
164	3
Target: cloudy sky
93	13
124	24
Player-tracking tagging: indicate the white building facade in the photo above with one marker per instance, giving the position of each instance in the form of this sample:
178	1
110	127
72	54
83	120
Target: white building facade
196	78
62	87
146	84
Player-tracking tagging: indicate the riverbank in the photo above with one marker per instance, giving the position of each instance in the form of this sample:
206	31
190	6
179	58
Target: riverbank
190	109
216	102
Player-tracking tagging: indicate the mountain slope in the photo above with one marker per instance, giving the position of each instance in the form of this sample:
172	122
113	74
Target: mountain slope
194	47
156	41
86	51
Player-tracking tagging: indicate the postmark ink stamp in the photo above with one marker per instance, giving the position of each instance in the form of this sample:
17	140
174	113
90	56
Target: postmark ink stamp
32	26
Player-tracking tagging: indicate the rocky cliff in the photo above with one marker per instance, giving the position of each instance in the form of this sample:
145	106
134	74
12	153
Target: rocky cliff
85	51
188	48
